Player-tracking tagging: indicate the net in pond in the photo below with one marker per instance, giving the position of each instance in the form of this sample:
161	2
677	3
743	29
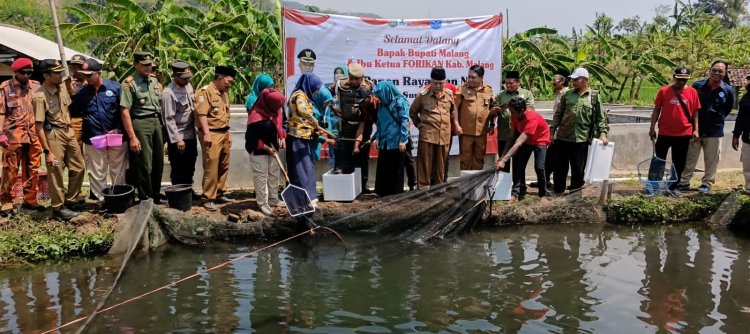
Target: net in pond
656	174
420	215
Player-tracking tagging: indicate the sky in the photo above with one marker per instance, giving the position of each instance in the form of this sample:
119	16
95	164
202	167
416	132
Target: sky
562	15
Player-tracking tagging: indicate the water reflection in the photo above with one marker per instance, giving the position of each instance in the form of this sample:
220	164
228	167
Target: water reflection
562	279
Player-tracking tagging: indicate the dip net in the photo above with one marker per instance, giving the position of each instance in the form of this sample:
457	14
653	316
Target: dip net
656	174
420	215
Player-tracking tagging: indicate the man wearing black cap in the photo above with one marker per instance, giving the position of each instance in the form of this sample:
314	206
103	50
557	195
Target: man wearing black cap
21	148
512	89
100	100
306	64
59	145
433	112
178	105
676	110
75	82
212	108
742	130
141	108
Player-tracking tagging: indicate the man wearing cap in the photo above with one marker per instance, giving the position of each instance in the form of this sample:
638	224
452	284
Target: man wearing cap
305	63
742	130
21	148
100	100
717	100
577	120
178	105
504	132
140	112
433	112
57	138
75	82
355	110
212	108
473	101
675	109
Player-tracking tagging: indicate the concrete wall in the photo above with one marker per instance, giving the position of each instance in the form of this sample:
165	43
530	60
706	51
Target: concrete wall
632	145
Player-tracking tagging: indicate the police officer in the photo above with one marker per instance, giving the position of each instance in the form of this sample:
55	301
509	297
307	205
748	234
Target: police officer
76	81
433	112
178	105
504	132
212	108
140	111
58	140
20	144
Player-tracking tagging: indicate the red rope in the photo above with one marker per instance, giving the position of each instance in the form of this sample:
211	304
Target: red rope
198	273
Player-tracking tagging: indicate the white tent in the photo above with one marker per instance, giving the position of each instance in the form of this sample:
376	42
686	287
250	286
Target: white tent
24	43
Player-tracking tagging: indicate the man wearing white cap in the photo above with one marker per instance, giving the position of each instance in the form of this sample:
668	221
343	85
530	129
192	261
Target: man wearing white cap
578	118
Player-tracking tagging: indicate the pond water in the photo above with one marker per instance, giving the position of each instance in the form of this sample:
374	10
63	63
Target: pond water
529	279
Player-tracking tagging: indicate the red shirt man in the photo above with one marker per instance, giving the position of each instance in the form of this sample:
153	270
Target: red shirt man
534	126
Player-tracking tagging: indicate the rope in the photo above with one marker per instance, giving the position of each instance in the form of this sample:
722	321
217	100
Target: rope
197	274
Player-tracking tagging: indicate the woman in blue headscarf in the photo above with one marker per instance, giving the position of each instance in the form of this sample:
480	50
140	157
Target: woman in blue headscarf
301	135
392	136
321	102
262	82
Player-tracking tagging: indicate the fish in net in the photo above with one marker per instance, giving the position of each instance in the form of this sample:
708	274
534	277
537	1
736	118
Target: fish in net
424	214
656	174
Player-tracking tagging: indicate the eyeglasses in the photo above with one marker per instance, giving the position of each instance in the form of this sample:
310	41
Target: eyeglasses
26	72
716	70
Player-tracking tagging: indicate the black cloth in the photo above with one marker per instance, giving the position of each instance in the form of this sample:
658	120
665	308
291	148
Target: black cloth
520	160
263	131
182	164
679	146
549	162
389	177
501	151
742	124
571	157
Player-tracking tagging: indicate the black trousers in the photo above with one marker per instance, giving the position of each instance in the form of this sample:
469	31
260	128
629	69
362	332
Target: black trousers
571	156
679	146
409	168
549	162
520	160
389	177
501	151
347	160
182	163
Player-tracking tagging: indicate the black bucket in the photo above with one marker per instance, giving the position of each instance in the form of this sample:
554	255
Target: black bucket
180	196
118	198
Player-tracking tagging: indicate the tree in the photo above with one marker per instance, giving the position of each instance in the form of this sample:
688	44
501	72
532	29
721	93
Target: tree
630	25
731	12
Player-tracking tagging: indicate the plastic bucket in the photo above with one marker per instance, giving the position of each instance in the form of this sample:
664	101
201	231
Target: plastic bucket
118	198
114	139
180	196
99	142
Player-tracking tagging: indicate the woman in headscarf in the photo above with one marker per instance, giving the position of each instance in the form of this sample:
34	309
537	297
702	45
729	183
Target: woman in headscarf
321	100
263	138
262	82
301	137
392	136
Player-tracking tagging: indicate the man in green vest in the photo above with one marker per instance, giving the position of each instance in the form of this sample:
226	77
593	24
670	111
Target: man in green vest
504	132
141	110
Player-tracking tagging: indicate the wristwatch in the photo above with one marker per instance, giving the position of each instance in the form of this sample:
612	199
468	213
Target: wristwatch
45	151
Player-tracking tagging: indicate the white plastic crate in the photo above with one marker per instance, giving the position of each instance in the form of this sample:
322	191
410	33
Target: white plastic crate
342	187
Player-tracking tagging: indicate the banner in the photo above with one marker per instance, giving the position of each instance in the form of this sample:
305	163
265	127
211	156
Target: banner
402	51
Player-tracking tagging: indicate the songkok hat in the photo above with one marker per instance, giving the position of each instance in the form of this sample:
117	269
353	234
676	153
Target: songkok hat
50	65
356	70
90	66
682	72
77	59
143	58
438	73
225	70
182	70
307	55
21	63
512	75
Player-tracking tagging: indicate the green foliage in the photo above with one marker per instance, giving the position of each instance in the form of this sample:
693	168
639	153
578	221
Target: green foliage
660	209
33	240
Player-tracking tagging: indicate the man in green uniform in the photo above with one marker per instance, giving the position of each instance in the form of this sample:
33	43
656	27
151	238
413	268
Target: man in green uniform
141	111
60	147
512	89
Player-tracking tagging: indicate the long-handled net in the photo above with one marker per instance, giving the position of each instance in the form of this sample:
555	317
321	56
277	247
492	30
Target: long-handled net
656	174
420	215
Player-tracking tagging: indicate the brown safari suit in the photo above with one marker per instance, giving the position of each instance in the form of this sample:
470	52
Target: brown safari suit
432	116
214	105
473	115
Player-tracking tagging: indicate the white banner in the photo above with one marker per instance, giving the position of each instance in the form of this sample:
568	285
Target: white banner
402	51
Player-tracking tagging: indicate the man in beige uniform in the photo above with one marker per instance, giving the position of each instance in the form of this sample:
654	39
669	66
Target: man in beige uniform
212	109
432	112
60	147
473	101
75	82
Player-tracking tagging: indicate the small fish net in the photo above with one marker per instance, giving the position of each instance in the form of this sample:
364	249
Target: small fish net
656	174
423	214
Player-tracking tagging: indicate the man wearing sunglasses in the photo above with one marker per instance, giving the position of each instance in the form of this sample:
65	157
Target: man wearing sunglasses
53	127
20	145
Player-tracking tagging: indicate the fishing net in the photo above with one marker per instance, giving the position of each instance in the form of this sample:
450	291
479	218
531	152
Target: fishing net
656	174
420	215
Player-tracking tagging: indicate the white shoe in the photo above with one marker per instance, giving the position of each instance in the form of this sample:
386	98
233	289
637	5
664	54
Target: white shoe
278	204
266	210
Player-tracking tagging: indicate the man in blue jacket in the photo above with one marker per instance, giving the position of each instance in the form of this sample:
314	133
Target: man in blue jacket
100	100
717	99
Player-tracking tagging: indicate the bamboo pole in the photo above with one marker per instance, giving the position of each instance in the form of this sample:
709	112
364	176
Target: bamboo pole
60	45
